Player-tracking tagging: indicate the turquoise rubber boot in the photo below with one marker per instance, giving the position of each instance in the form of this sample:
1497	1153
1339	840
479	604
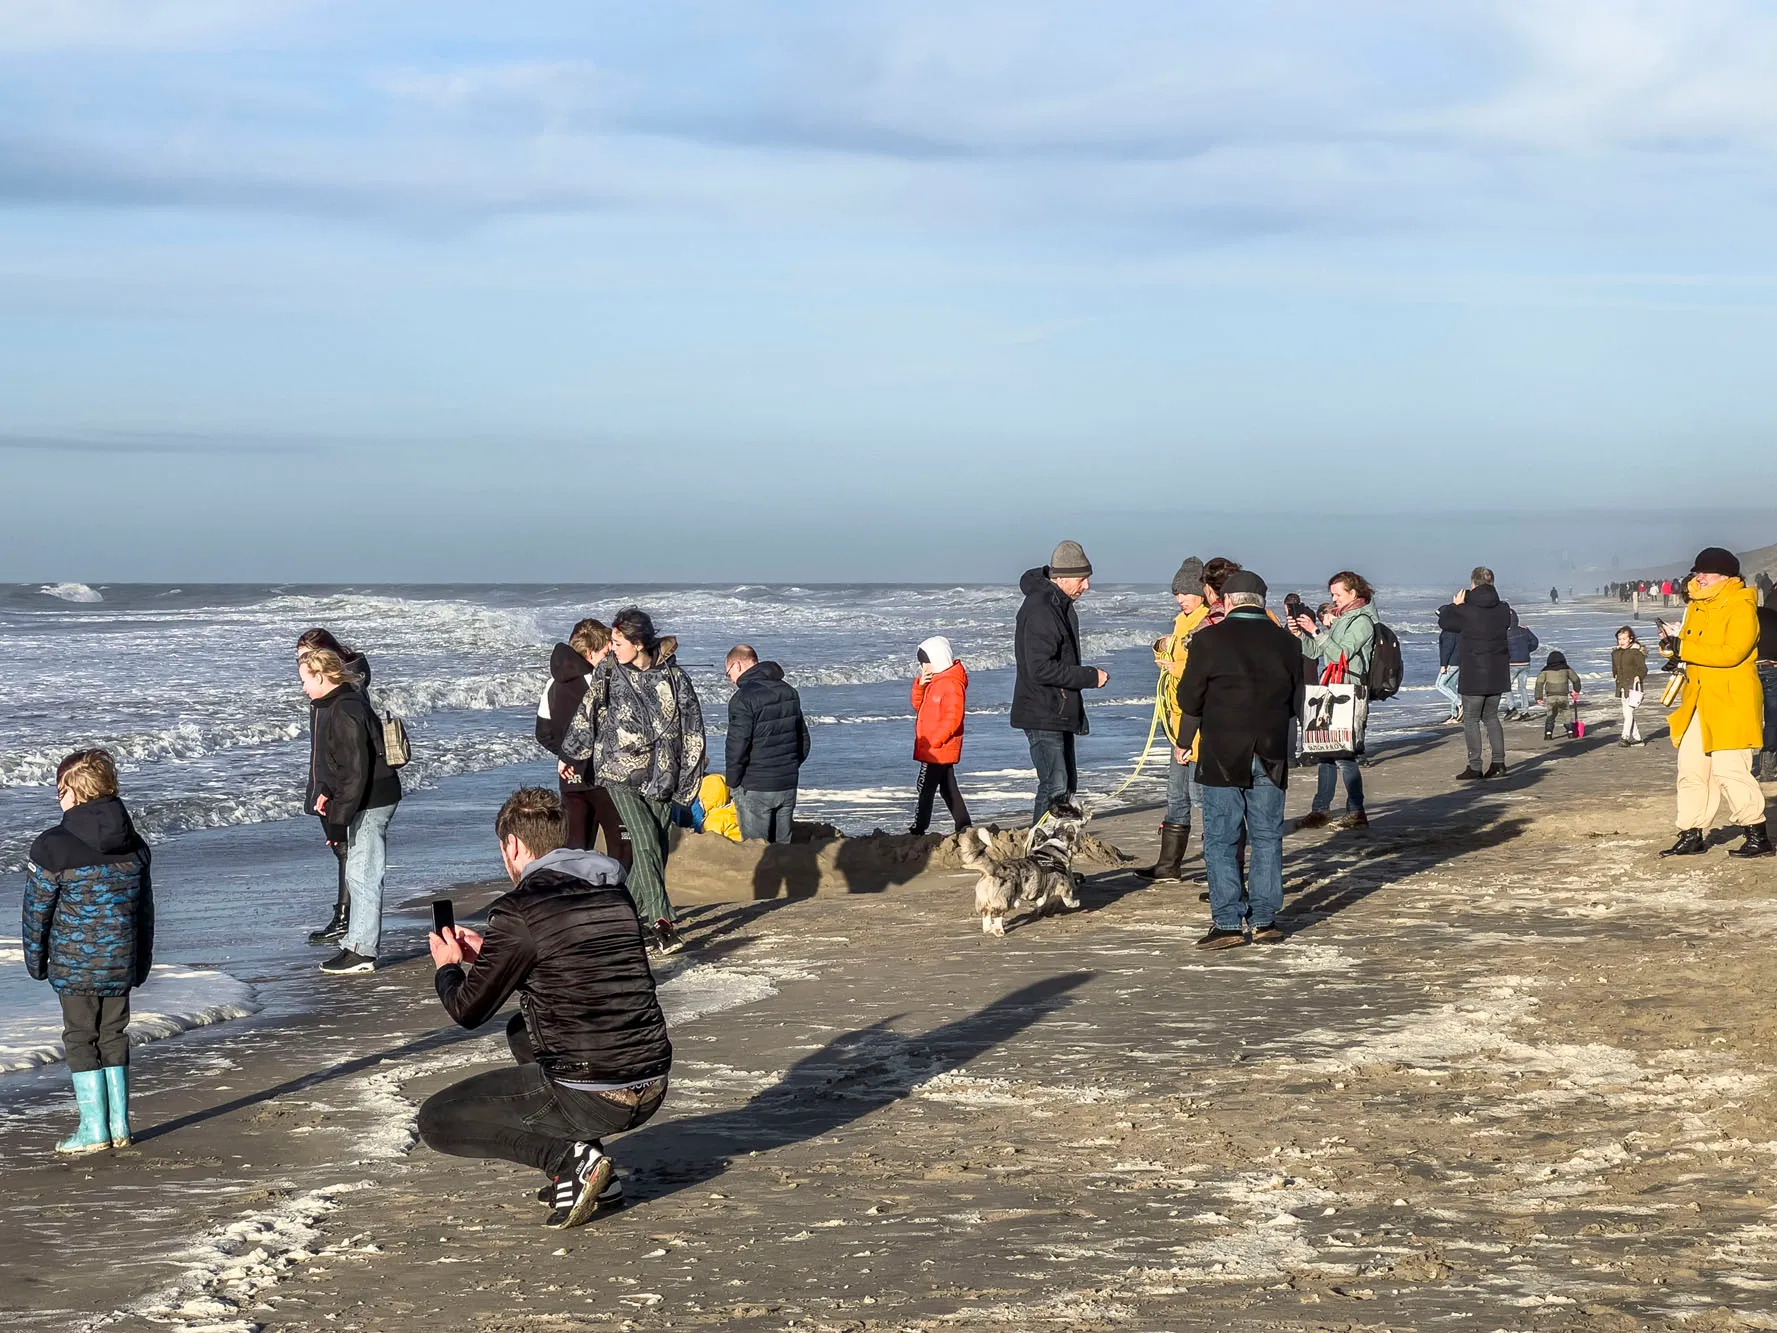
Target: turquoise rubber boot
94	1134
117	1103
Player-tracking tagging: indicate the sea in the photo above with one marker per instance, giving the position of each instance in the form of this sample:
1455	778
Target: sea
193	689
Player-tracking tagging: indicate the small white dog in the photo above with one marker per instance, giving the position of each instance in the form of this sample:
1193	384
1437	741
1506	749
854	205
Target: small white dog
1043	878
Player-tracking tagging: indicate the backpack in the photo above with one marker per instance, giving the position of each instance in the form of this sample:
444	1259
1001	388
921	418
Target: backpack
1383	680
389	736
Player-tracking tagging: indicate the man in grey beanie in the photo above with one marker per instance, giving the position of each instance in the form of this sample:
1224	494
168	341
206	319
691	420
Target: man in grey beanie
1047	705
1170	655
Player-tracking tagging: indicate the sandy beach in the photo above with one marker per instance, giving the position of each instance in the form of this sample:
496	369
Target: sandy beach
1509	1071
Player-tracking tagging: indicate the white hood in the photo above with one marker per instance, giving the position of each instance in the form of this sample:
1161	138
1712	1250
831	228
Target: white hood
937	651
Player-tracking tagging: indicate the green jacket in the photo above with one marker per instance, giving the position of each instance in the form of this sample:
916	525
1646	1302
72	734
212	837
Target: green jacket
1352	634
1555	686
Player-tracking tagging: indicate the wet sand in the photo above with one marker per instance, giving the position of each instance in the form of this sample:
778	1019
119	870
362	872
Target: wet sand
1509	1071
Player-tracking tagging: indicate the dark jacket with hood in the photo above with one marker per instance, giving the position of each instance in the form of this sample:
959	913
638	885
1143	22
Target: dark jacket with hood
767	736
1557	680
1449	644
566	940
346	760
1483	663
1046	694
569	676
89	905
1521	642
1240	689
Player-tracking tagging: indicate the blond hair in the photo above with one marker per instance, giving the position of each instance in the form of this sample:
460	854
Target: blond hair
589	637
326	664
87	775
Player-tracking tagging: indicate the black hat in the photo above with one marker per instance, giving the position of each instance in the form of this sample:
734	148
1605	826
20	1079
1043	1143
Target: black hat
1244	580
1716	560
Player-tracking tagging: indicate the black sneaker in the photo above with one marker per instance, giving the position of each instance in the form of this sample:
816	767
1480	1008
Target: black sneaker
1268	934
666	937
1497	771
1222	939
1469	775
576	1193
345	962
611	1196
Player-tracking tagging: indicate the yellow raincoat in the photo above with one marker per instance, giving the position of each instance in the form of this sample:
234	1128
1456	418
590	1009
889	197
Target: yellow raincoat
719	815
1169	655
1719	647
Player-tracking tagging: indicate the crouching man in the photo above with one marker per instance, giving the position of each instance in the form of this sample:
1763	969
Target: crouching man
589	1036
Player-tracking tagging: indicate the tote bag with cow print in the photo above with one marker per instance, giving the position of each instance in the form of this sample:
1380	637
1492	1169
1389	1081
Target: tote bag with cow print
1334	713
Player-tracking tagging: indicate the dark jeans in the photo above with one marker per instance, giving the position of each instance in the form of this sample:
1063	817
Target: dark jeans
1182	792
765	814
645	822
935	779
93	1031
1258	811
586	811
1476	709
1767	674
1327	783
521	1115
1052	753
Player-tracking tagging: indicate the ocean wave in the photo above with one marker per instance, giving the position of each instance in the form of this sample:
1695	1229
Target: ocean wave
180	743
71	592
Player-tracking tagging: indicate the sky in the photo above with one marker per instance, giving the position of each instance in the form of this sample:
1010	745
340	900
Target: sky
903	290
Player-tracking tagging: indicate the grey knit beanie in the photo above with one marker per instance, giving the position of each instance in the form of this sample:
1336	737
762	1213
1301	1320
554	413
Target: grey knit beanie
1069	562
1188	582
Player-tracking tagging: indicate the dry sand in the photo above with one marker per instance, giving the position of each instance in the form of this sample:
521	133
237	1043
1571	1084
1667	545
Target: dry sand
1509	1071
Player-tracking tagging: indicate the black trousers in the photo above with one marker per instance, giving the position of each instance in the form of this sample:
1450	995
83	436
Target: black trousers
589	810
521	1115
94	1031
933	779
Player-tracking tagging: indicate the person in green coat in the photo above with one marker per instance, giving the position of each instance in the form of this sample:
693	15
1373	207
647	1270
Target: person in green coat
1558	685
1351	636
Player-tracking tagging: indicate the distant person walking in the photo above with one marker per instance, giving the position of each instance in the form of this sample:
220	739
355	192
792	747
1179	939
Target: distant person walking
587	809
1763	583
1483	668
1048	703
1350	639
1719	721
940	702
642	727
355	794
1557	686
1171	653
1239	690
766	746
1521	642
1665	592
1628	669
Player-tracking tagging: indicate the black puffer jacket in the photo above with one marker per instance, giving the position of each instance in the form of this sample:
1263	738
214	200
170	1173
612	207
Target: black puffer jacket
567	941
358	667
346	763
767	736
1483	662
569	675
1046	694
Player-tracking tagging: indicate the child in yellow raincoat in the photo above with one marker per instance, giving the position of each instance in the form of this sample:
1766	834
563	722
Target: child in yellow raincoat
719	814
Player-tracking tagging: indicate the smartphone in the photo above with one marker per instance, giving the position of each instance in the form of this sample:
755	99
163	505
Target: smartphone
444	916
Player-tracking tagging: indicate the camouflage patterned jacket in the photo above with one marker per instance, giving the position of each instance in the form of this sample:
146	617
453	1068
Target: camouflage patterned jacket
89	905
642	729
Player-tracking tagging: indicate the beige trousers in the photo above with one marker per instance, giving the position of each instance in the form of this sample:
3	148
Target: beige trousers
1706	780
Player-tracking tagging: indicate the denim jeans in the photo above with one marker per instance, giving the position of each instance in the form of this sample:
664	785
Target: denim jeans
1182	792
1768	678
1326	783
1052	754
765	814
1521	688
1259	811
367	854
1445	685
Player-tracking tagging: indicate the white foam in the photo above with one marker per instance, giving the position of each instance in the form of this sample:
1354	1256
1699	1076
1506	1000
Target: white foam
71	592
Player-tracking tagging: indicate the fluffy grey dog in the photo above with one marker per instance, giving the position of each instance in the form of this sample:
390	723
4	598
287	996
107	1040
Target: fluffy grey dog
1042	878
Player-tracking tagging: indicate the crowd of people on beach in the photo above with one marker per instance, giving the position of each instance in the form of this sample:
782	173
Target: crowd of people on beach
1244	695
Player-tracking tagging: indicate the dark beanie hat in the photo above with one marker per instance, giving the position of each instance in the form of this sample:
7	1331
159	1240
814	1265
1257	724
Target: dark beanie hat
1189	579
1244	580
1070	562
1715	560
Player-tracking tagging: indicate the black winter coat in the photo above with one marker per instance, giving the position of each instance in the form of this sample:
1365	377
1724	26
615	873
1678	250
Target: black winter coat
1521	642
569	675
1046	694
346	762
1483	663
566	940
768	738
89	904
1241	687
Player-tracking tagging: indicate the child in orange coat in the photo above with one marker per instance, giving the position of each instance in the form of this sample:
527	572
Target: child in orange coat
940	698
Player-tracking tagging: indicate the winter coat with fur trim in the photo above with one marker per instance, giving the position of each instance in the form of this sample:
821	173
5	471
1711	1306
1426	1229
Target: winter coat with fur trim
642	729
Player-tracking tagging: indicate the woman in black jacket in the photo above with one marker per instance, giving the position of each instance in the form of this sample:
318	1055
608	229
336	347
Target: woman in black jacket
356	664
355	794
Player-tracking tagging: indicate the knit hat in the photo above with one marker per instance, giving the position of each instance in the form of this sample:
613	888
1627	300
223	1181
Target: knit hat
1188	582
1244	580
1715	560
1069	562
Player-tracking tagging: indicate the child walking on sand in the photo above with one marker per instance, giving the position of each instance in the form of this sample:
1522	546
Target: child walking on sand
940	699
1558	686
89	930
1628	664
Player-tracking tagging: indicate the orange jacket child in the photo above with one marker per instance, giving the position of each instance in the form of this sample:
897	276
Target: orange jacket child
940	703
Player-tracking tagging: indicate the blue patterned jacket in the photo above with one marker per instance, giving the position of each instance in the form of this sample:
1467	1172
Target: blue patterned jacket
89	905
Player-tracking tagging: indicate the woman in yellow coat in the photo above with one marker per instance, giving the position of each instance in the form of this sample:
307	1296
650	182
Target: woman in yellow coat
1170	653
1720	719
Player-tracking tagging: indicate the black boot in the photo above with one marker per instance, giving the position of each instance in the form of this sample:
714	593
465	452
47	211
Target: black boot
1173	838
1758	842
1690	843
335	929
1549	732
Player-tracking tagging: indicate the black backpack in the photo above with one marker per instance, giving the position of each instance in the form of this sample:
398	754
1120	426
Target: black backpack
1386	665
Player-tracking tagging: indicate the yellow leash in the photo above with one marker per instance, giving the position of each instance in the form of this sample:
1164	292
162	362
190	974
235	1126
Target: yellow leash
1153	726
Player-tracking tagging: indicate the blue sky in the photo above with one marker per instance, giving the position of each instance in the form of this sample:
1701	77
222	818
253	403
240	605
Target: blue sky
773	290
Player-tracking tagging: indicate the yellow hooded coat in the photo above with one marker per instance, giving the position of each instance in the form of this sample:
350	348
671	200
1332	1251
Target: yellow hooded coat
1169	655
1719	647
719	815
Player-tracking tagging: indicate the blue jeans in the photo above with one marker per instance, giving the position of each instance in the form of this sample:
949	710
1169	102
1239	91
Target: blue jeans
1052	754
1259	810
765	814
1445	685
1521	688
367	854
1331	770
1182	792
1768	678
